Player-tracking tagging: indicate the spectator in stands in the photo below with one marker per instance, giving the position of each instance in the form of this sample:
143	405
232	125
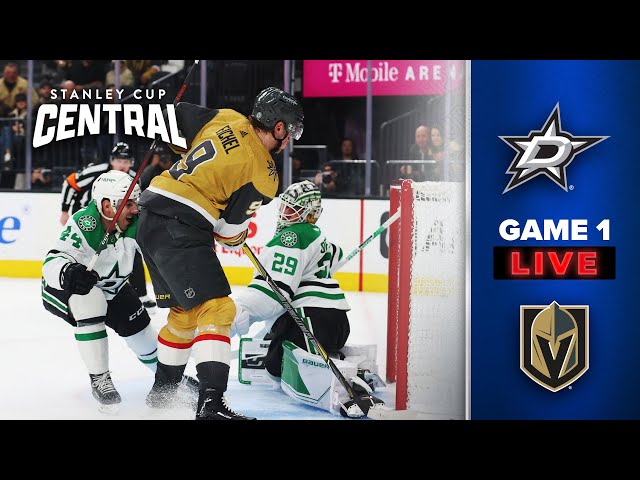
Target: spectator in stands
44	92
161	160
55	71
438	144
6	146
409	171
349	180
421	149
69	86
11	84
41	179
453	153
126	75
327	180
145	71
171	66
347	150
18	130
86	74
142	70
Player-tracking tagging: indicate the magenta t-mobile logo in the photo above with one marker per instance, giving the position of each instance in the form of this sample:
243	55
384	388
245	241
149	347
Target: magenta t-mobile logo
335	72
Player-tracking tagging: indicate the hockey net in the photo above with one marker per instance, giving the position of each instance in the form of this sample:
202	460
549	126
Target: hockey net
426	309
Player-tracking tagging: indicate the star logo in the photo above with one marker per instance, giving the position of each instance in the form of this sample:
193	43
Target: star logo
87	223
546	152
113	281
288	239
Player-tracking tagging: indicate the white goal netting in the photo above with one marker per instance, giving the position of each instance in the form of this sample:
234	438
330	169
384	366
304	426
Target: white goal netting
435	318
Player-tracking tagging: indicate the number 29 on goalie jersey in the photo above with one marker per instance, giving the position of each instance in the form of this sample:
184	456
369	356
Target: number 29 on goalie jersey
300	261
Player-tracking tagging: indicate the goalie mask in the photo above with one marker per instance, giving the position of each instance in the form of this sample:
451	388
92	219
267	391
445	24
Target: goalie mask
113	185
299	203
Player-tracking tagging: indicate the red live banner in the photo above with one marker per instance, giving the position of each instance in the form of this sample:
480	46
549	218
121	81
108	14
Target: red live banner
348	78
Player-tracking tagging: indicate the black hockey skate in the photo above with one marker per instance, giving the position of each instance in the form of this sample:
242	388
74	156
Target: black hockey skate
212	405
165	394
162	394
105	392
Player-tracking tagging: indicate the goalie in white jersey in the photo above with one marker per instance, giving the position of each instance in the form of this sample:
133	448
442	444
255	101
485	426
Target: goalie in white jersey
300	259
302	262
93	300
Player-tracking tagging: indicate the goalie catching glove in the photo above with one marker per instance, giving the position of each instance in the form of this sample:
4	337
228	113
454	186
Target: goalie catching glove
75	279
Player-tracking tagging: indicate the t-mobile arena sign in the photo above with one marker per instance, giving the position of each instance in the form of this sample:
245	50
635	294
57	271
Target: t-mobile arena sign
348	78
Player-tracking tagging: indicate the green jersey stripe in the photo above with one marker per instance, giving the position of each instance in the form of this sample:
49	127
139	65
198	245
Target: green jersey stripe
266	291
84	337
55	302
328	296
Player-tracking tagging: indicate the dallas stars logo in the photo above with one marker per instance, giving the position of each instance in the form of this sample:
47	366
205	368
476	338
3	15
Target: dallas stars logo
547	151
87	223
113	281
271	165
288	239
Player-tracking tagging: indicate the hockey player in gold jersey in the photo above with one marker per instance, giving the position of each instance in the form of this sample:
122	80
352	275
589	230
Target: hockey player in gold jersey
223	177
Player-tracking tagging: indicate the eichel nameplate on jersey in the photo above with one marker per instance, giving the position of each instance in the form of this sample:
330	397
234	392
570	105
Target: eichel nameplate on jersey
554	343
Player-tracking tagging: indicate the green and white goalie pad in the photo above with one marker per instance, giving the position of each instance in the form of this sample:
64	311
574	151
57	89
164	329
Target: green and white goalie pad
307	378
251	356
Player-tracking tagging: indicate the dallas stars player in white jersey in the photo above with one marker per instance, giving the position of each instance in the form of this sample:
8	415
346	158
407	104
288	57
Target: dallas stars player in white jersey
93	300
301	261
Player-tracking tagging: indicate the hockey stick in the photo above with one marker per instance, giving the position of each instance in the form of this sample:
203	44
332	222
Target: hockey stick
381	229
147	156
365	402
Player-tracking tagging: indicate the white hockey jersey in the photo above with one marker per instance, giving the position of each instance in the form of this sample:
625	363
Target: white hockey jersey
301	261
78	242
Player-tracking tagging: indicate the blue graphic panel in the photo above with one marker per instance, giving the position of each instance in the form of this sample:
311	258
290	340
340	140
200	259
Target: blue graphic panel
594	99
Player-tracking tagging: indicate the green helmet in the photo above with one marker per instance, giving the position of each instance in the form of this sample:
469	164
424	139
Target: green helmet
300	202
273	105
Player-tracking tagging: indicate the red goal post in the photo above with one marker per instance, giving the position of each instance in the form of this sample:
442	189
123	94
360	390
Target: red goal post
426	304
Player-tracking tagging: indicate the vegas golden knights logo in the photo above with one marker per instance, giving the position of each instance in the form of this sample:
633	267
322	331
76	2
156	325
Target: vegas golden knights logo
554	343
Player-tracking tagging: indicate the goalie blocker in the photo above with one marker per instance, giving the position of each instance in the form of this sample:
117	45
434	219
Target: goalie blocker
308	379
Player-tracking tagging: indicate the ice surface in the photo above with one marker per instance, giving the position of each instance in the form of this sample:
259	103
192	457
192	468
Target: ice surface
43	377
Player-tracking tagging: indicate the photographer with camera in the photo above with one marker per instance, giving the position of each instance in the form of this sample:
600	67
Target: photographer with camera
327	180
41	179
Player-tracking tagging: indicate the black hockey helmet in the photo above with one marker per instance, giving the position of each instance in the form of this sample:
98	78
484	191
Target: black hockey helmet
273	105
122	150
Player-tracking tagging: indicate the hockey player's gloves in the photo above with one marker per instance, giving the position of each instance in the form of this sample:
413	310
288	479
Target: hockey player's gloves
77	280
232	243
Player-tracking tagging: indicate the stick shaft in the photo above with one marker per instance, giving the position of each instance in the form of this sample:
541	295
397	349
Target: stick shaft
380	229
292	311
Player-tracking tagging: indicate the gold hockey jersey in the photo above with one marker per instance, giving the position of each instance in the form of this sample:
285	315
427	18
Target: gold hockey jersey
221	180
